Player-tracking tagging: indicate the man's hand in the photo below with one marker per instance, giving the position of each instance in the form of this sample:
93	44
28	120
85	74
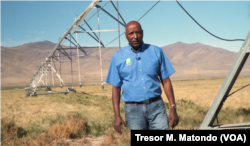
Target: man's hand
117	124
116	105
173	117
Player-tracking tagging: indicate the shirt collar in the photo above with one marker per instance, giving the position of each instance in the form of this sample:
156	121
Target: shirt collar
139	50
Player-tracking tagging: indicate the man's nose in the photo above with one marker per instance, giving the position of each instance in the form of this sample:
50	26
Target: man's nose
135	35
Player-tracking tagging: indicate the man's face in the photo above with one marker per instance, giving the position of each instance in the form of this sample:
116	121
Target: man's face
134	35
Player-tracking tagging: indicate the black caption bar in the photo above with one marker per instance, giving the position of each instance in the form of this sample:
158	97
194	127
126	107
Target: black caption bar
189	136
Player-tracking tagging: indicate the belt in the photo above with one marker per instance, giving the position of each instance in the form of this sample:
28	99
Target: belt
146	101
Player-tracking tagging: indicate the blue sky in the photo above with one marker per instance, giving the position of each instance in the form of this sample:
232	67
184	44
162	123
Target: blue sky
32	21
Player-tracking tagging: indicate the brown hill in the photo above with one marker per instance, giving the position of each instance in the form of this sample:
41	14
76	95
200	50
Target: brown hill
19	63
189	60
201	61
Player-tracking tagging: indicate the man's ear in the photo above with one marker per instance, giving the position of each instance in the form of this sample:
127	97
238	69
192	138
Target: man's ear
126	35
142	33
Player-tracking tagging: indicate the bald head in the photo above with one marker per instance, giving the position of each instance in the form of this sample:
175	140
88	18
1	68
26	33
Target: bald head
134	34
133	23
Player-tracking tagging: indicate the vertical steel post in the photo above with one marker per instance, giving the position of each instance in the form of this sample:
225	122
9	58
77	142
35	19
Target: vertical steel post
52	75
118	25
71	63
80	82
46	72
100	50
59	64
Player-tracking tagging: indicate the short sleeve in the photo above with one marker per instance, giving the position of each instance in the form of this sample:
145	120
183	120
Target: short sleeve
166	69
113	76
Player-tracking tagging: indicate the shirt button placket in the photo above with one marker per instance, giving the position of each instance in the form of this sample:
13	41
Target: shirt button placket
140	65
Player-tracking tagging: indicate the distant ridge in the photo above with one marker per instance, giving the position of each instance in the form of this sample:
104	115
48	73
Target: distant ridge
190	61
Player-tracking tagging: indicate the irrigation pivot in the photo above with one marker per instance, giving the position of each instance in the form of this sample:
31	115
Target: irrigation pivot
43	78
225	89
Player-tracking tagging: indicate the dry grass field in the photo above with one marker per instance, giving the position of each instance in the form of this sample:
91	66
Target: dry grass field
86	117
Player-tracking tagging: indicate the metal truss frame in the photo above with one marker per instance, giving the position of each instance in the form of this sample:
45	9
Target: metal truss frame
41	78
225	89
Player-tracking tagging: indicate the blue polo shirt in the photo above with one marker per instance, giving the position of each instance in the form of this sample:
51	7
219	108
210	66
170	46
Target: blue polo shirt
138	72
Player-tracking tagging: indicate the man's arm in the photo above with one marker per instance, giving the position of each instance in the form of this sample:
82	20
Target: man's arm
116	105
173	117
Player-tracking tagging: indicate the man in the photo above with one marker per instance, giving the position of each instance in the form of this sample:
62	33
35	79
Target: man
137	69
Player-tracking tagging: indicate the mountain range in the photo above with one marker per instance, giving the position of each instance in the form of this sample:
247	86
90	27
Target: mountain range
190	61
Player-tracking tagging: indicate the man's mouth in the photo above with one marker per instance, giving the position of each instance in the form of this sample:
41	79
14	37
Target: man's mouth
135	42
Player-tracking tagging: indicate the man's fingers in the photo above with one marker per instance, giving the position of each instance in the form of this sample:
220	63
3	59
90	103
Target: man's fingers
175	123
117	124
123	124
170	121
172	125
118	128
